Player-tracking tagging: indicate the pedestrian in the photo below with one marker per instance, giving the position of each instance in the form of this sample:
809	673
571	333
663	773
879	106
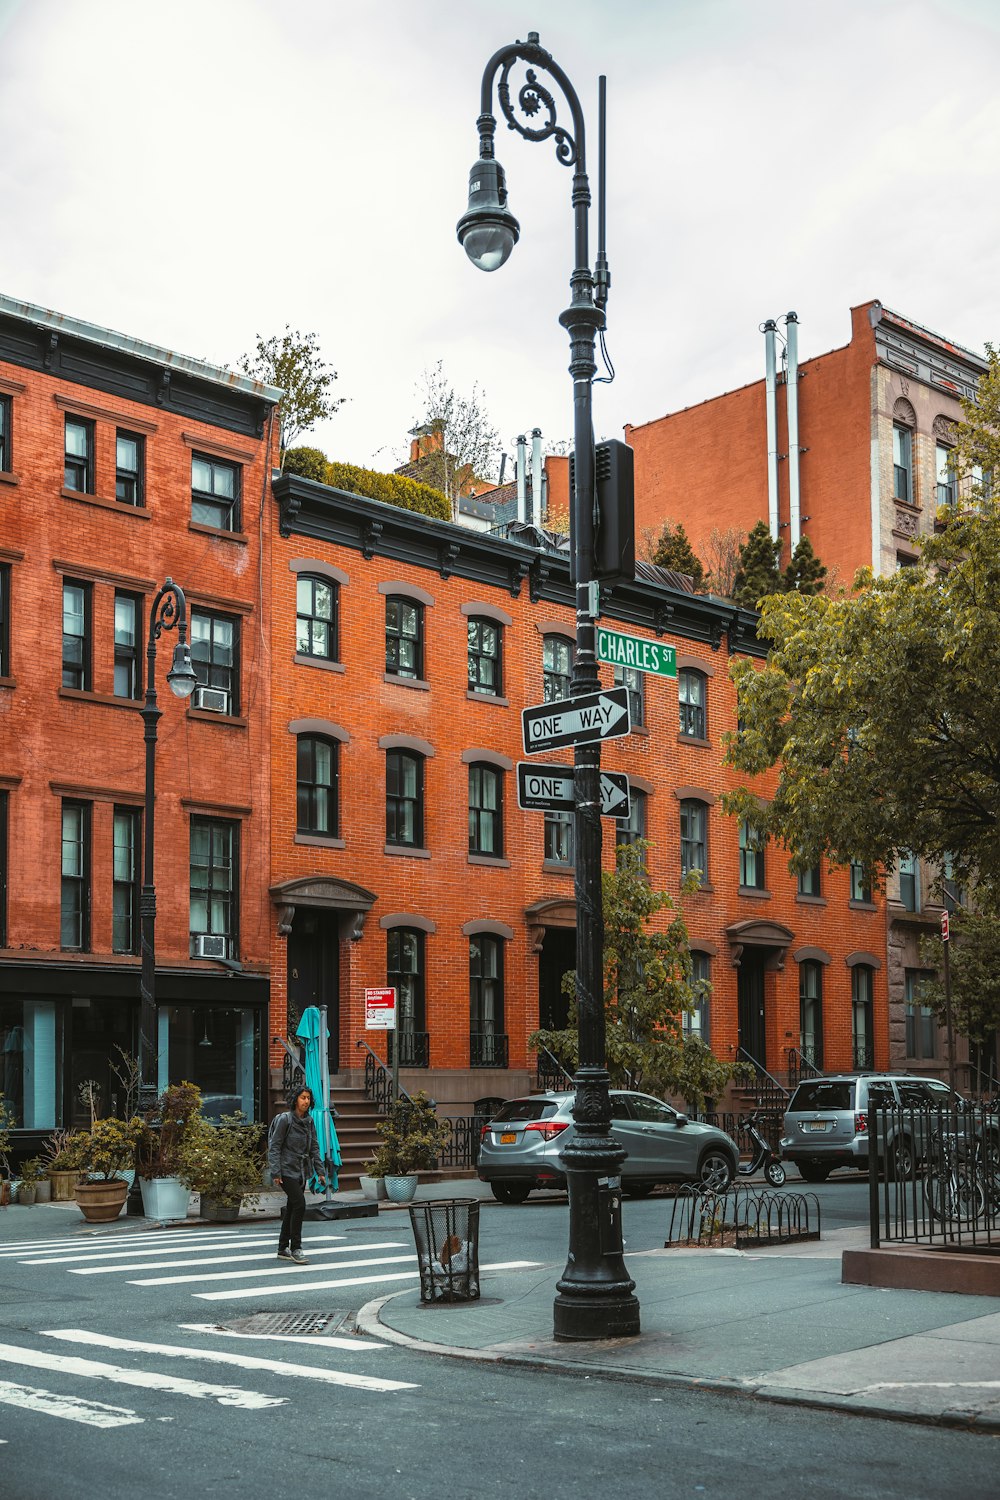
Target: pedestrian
293	1158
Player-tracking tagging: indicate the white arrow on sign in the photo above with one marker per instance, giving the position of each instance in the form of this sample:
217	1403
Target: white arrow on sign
614	795
604	715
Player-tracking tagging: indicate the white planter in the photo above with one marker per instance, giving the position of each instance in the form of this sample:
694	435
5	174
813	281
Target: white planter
164	1197
400	1189
373	1188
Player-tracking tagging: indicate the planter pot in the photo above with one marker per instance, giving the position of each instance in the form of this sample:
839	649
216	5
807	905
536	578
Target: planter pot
164	1197
101	1201
373	1188
222	1213
43	1190
63	1185
26	1192
400	1189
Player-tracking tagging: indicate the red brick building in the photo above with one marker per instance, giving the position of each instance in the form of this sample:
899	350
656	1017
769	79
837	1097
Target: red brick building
122	464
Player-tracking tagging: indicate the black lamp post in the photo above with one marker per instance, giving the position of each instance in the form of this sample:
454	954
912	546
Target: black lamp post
595	1299
169	612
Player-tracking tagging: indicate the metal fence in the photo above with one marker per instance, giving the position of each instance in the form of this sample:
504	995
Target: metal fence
741	1217
940	1181
767	1121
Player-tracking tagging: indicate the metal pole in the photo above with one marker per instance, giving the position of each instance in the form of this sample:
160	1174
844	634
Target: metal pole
949	1026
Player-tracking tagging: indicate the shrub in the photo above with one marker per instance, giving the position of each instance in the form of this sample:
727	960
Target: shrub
164	1130
411	1135
109	1147
308	463
64	1151
6	1125
223	1161
391	489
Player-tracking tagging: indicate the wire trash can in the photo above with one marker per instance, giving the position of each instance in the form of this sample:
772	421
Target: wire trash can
446	1232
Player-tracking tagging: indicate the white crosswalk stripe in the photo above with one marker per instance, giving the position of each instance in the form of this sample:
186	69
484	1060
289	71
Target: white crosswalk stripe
151	1380
90	1413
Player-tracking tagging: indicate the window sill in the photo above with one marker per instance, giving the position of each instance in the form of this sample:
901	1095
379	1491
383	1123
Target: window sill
8	478
705	889
420	683
642	729
221	532
692	739
490	859
320	840
408	851
488	698
755	892
302	660
84	695
556	867
810	900
8	682
862	906
121	506
209	716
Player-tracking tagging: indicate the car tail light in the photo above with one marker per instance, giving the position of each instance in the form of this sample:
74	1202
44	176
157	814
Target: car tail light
860	1124
484	1132
547	1128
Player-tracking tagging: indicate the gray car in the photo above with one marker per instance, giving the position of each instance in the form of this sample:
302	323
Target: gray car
826	1123
521	1146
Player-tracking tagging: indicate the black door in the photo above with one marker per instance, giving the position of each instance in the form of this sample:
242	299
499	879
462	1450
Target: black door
750	1001
557	956
314	973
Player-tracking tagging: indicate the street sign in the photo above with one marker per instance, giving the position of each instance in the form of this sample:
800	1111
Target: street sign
945	926
380	1010
636	652
550	789
576	721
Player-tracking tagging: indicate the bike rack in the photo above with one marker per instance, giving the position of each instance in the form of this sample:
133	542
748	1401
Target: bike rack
741	1219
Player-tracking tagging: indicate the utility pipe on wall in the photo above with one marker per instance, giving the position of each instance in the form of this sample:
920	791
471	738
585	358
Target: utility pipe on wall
792	399
536	476
771	402
522	502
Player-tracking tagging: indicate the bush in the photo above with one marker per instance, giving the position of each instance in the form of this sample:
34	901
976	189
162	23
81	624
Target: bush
308	463
109	1147
165	1128
412	1135
224	1161
64	1151
391	489
6	1125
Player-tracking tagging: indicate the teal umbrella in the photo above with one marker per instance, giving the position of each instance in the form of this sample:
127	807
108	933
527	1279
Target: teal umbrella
313	1033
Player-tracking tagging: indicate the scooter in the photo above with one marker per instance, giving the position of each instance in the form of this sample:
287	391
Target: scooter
762	1156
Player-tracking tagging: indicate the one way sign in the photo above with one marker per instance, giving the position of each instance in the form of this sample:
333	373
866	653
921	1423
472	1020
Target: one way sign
576	721
545	788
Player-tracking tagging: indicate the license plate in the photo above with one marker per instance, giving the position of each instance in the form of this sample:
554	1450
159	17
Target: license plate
816	1124
508	1138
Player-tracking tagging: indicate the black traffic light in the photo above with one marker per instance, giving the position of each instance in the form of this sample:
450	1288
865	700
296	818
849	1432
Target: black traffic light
614	528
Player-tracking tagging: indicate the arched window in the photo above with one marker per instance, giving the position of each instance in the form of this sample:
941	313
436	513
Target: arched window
316	785
692	699
694	838
404	637
485	656
695	1022
404	798
405	973
862	985
811	1012
487	1039
557	668
317	617
485	809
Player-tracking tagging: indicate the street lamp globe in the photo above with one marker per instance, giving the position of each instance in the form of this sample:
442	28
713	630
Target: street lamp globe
181	675
488	231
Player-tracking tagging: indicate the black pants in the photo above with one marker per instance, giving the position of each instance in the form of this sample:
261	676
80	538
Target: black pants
292	1214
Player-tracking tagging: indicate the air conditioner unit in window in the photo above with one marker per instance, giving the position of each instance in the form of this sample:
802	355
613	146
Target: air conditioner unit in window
216	699
210	945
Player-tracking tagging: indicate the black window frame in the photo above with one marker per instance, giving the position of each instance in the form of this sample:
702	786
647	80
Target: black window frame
308	787
411	1010
210	672
226	509
633	828
399	802
946	491
76	881
692	716
396	636
902	473
479	657
4	850
920	1022
128	658
130	483
559	839
909	882
481	1026
753	847
6	434
313	620
634	683
482	816
74	466
557	679
863	1004
811	970
229	828
78	674
688	843
861	889
6	574
809	882
125	891
695	1024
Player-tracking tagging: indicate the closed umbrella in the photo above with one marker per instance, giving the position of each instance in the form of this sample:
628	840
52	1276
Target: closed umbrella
313	1033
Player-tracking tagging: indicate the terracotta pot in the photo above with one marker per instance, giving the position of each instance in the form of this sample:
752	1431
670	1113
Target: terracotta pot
63	1184
101	1201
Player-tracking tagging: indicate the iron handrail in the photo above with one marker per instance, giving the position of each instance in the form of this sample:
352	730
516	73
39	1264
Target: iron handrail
800	1066
378	1079
557	1066
743	1055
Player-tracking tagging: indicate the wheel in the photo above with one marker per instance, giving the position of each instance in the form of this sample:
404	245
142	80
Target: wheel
900	1161
814	1171
955	1196
775	1173
638	1189
715	1171
510	1192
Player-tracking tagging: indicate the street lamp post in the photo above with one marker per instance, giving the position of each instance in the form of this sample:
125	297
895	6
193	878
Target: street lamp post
595	1293
169	611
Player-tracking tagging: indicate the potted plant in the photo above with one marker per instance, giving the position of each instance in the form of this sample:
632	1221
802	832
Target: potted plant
108	1150
164	1194
223	1162
411	1135
372	1182
63	1155
30	1172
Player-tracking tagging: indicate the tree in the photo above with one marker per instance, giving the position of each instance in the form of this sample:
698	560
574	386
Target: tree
805	573
293	363
976	455
758	574
458	443
722	559
974	964
672	549
881	712
648	988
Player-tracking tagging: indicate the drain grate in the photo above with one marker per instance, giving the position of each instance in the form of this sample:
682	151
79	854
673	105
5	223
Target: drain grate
292	1323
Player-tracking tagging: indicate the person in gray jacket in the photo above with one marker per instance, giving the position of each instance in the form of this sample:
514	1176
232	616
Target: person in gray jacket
293	1158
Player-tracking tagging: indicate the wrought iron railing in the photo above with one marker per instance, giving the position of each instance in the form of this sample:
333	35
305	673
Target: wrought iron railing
941	1178
378	1080
864	1055
768	1121
488	1049
742	1218
292	1075
461	1150
769	1093
801	1064
550	1073
414	1048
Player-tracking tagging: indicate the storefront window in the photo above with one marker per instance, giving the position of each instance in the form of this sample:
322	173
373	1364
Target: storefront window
217	1048
30	1062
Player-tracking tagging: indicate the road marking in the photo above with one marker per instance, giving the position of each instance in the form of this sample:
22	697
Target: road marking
127	1242
226	1395
262	1247
284	1269
91	1413
321	1340
223	1357
319	1286
223	1260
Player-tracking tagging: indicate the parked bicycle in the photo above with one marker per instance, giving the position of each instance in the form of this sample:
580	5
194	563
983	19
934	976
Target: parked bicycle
956	1173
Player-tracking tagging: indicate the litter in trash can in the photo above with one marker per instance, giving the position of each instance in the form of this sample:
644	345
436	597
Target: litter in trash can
447	1238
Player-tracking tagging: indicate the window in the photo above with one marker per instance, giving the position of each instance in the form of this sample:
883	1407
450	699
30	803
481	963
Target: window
485	810
214	656
127	678
861	886
74	924
488	1044
6	462
405	973
952	890
317	620
485	663
691	697
694	1023
921	1026
130	468
629	830
4	619
811	1012
316	786
560	838
909	882
214	911
404	798
125	882
751	857
4	845
632	679
215	493
76	652
694	855
78	470
404	638
862	985
809	881
557	668
902	463
947	487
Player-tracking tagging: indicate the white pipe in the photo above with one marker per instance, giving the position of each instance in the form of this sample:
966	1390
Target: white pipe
771	404
521	466
536	476
792	398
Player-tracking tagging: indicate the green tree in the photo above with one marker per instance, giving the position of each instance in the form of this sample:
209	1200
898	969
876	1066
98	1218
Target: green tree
974	964
758	573
293	363
672	549
458	442
648	988
976	455
804	573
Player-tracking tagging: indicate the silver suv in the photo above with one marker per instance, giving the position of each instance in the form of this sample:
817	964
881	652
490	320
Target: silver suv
826	1123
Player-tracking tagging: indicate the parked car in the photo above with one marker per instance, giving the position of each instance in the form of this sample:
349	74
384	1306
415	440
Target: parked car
520	1147
826	1123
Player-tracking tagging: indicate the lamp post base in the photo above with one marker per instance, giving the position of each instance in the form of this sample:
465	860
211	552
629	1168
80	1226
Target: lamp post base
577	1319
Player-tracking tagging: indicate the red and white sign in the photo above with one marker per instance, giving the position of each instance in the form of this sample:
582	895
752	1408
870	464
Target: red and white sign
380	1010
945	926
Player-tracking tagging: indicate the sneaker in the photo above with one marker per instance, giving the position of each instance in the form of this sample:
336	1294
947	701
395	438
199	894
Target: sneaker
284	1255
298	1257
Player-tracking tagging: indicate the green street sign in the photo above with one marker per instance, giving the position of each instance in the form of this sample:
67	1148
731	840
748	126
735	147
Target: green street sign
636	652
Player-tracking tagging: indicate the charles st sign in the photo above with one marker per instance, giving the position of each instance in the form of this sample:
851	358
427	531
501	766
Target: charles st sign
636	652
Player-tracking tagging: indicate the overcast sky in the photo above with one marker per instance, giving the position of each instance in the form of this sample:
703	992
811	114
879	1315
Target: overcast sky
197	173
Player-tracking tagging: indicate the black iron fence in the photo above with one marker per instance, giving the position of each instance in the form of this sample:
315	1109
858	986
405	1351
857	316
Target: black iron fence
414	1048
940	1177
488	1049
550	1073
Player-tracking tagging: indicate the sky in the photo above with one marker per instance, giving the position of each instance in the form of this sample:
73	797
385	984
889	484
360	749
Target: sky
196	174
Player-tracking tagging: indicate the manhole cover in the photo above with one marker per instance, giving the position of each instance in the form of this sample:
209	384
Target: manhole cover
292	1323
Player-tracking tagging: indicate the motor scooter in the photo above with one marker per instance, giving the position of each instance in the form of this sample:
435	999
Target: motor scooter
762	1156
